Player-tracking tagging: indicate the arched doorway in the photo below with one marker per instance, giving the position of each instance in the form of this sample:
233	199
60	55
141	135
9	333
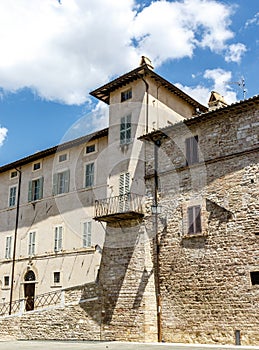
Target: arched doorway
29	290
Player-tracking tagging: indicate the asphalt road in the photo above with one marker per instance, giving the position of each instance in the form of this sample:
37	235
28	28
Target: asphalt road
66	345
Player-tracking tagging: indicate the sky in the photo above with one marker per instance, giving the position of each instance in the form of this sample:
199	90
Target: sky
54	52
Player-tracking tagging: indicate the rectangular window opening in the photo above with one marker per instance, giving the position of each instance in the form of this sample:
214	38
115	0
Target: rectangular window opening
61	182
6	281
254	275
14	174
125	130
36	166
126	95
192	155
35	190
12	196
194	219
56	277
89	175
62	158
90	148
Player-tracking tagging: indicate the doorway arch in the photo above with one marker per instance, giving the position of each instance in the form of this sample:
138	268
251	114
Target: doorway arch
29	290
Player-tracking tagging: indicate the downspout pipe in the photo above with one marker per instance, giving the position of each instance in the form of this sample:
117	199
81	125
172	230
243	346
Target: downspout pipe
15	239
157	144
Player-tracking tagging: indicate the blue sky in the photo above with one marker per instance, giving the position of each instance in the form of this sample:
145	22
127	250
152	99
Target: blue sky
53	54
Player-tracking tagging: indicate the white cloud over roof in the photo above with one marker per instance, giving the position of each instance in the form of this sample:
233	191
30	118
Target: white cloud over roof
3	134
64	50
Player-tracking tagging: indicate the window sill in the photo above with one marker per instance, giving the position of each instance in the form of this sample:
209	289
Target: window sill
58	285
194	235
6	288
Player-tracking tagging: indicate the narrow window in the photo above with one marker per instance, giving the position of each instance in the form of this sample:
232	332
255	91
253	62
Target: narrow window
36	166
87	234
89	175
58	238
62	158
192	155
125	130
8	247
254	277
90	148
194	219
126	95
12	196
61	182
31	247
56	277
6	281
35	190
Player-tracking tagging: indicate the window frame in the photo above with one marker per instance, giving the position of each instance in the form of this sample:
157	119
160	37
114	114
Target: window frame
125	130
13	177
126	95
31	243
8	247
89	175
58	238
6	278
87	233
91	145
192	150
61	177
62	155
32	192
36	163
254	278
55	274
194	220
11	205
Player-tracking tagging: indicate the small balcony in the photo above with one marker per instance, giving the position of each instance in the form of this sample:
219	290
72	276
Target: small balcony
124	207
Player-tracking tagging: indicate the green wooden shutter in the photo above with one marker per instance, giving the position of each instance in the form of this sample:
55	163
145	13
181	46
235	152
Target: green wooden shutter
67	178
41	187
55	184
30	191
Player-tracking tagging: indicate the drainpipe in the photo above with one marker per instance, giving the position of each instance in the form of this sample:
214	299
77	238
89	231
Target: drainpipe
15	239
157	144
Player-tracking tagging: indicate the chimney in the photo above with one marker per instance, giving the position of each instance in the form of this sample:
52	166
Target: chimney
145	61
216	101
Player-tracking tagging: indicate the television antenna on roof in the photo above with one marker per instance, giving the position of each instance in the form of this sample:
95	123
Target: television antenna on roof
241	84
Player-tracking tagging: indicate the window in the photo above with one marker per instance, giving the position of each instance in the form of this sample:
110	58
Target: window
87	234
58	238
89	175
126	95
90	148
194	219
254	277
36	166
125	130
56	277
31	250
35	189
61	182
6	281
12	196
62	158
124	189
8	247
14	174
192	155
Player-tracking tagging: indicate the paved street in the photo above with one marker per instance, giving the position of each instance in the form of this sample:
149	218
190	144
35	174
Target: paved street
51	345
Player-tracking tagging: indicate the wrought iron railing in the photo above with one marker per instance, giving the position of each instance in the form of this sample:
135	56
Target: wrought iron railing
28	304
129	202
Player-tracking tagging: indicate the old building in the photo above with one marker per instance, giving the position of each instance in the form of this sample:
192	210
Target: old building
202	175
149	227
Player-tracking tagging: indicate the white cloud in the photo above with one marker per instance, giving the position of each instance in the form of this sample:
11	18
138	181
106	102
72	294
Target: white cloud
63	51
235	52
220	83
253	21
3	134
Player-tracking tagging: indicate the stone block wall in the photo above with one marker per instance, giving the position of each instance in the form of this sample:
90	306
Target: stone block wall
206	289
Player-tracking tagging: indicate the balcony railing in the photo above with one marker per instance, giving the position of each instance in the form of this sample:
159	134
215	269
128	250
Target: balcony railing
123	207
29	304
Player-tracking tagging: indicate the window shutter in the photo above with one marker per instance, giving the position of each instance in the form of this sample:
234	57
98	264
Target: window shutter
190	220
41	187
128	129
55	184
89	234
30	191
56	240
67	179
60	238
188	150
198	218
195	156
